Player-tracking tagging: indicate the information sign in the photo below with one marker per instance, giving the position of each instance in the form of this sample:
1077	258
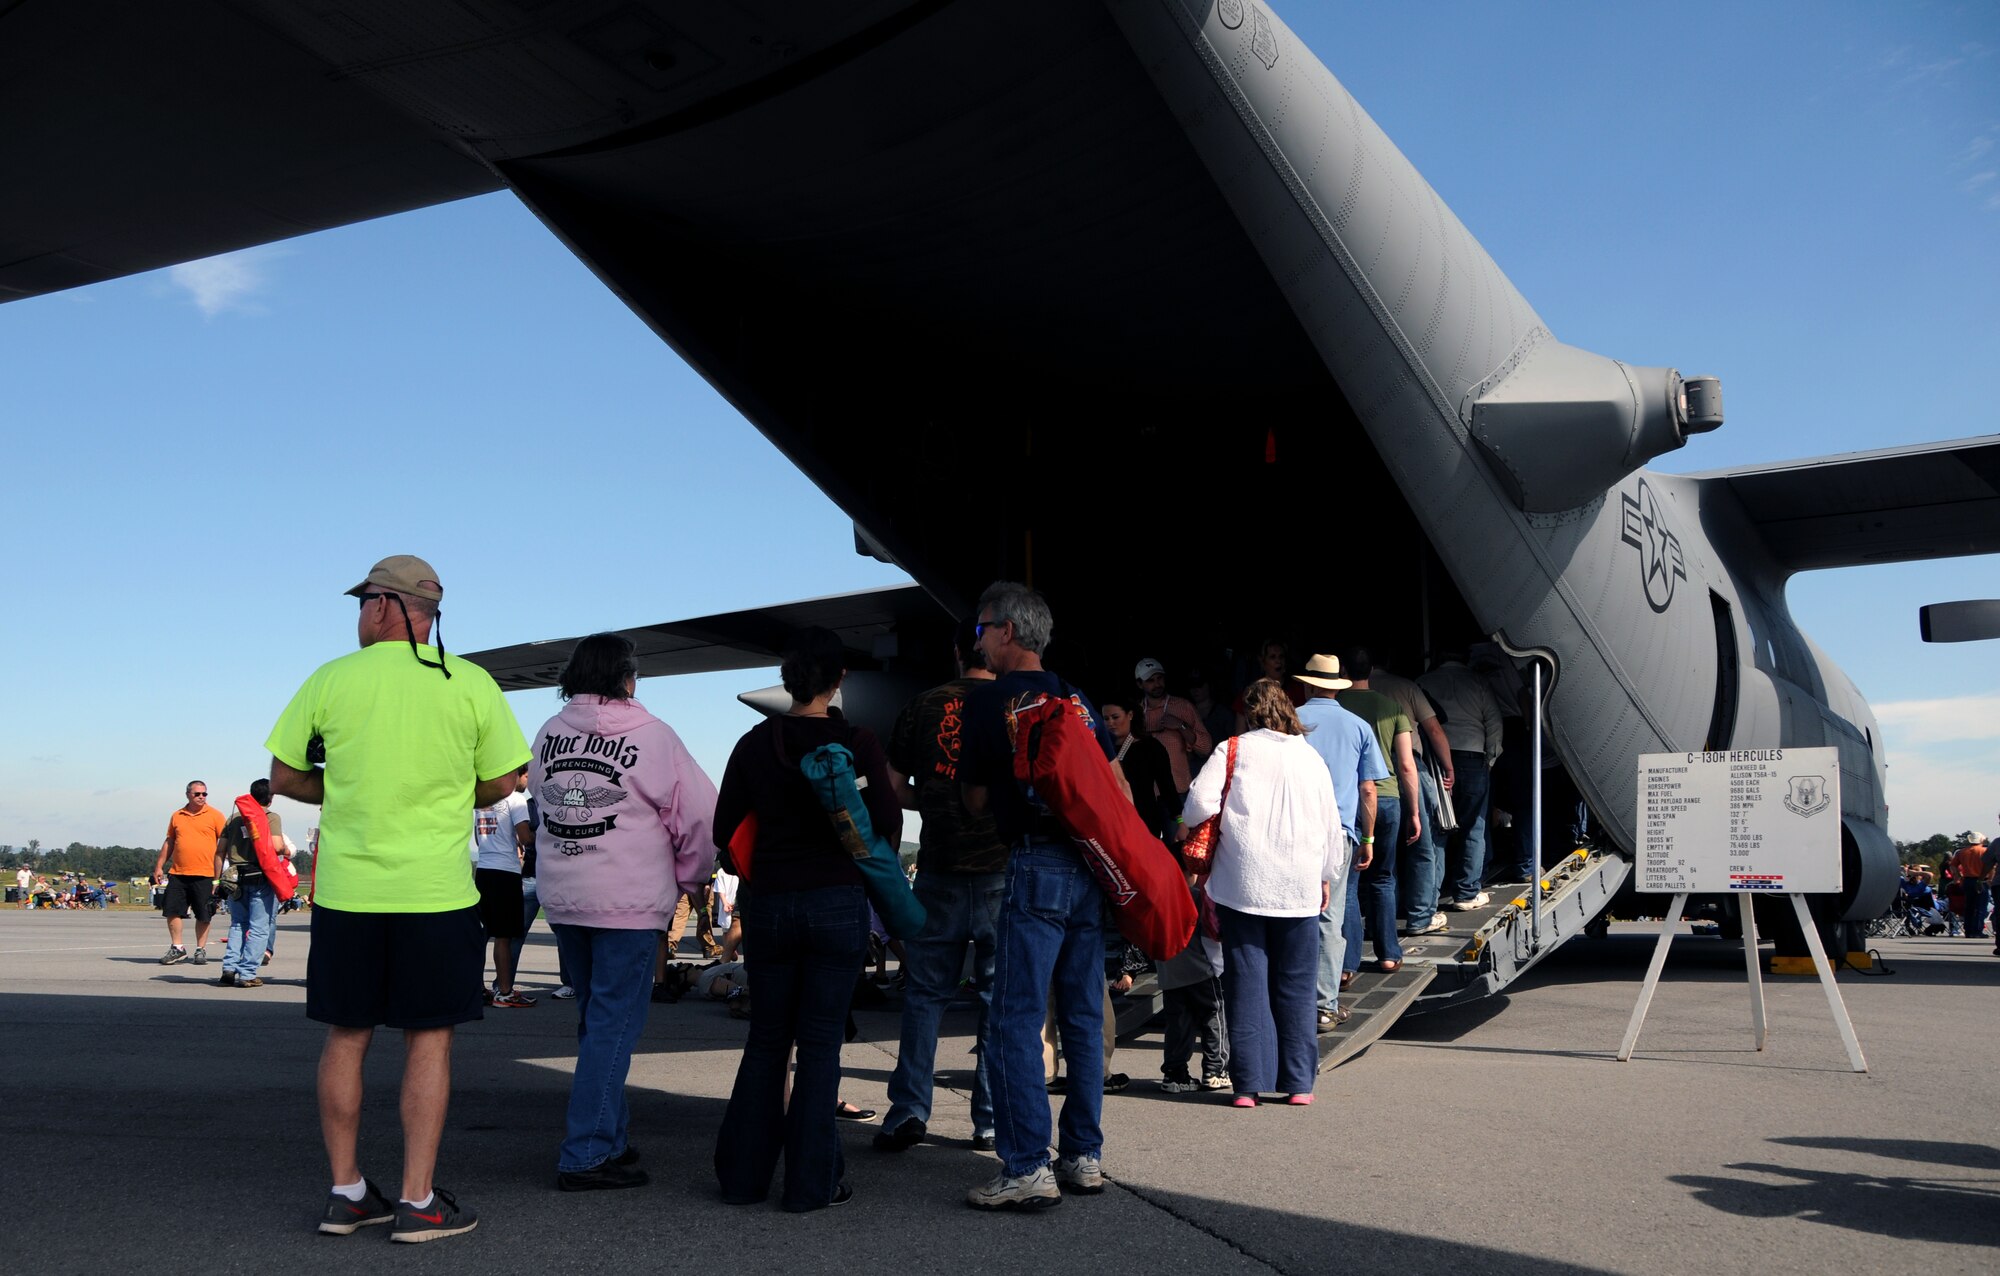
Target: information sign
1741	820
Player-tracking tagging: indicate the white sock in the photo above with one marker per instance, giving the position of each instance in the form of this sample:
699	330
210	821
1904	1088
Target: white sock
352	1191
428	1197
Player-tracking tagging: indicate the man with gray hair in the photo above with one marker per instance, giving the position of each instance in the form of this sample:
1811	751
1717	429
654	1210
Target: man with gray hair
398	748
1049	942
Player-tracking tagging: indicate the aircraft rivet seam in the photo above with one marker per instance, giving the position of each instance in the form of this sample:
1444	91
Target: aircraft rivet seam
1520	354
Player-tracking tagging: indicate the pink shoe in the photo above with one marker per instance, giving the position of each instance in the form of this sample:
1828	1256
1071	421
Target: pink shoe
1244	1101
1299	1100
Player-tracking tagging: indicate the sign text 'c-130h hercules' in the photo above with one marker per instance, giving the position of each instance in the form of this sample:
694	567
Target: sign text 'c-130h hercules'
960	261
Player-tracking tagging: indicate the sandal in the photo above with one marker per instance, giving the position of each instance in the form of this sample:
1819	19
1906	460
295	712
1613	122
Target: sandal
1347	978
1331	1019
1390	966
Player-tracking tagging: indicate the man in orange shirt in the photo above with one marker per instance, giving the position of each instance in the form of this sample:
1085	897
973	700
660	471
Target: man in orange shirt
1974	866
187	866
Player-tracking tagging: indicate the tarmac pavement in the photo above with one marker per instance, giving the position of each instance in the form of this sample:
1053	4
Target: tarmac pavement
156	1122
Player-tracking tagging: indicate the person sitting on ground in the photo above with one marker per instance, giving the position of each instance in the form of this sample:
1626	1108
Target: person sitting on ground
1279	848
715	980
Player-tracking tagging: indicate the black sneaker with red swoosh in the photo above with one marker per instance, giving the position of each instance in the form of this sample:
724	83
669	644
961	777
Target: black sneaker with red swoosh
344	1216
441	1218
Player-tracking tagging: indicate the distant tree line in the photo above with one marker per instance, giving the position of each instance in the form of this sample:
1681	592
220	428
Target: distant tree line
119	863
1934	850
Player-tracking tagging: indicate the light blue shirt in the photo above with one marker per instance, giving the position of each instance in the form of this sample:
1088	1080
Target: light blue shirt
1347	744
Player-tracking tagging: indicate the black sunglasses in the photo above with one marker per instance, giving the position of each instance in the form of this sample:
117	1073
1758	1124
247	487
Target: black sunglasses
979	628
365	599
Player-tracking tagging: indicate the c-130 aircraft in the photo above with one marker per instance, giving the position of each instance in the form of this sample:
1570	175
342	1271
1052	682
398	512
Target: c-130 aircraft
961	261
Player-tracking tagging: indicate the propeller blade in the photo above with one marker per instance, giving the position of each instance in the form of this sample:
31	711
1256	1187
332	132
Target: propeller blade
1968	621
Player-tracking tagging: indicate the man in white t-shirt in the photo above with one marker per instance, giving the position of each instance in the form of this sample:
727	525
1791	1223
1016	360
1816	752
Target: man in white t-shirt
23	879
500	835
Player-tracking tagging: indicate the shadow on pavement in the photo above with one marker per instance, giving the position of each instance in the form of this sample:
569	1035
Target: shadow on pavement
1971	1156
1915	1208
155	1110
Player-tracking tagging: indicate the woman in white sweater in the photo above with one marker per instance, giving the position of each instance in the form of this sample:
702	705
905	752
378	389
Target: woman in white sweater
1280	846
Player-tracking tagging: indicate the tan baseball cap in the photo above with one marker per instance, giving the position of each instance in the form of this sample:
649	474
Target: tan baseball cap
404	573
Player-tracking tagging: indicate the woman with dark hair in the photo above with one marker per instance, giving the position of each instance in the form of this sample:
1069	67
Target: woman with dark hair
1146	767
805	937
1280	846
626	827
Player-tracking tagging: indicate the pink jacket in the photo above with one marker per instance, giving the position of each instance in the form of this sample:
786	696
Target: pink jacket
626	816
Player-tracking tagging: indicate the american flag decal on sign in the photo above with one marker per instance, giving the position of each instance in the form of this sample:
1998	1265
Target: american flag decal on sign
1757	881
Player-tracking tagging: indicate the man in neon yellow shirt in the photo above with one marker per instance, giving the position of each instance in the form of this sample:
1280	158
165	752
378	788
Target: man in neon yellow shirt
411	740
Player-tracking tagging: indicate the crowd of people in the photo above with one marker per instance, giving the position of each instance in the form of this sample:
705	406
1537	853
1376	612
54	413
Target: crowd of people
68	890
1340	806
1961	903
1331	808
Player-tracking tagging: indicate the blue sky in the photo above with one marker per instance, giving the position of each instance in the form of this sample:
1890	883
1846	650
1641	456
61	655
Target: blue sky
1801	199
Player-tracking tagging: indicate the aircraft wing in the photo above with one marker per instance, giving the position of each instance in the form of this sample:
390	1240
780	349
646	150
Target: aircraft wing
749	639
1928	500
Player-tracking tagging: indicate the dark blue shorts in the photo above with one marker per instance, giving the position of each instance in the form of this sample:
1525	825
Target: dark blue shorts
399	970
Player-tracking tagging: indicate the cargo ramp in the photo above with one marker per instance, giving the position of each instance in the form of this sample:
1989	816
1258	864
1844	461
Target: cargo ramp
1479	954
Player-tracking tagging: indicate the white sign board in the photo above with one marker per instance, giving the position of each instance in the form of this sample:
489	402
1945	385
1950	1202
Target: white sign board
1743	820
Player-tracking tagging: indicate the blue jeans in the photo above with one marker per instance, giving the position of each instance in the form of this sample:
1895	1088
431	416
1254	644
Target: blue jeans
1465	846
1350	925
1420	865
803	951
1378	888
1267	992
531	906
252	911
959	909
1343	909
615	973
1977	898
1050	944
